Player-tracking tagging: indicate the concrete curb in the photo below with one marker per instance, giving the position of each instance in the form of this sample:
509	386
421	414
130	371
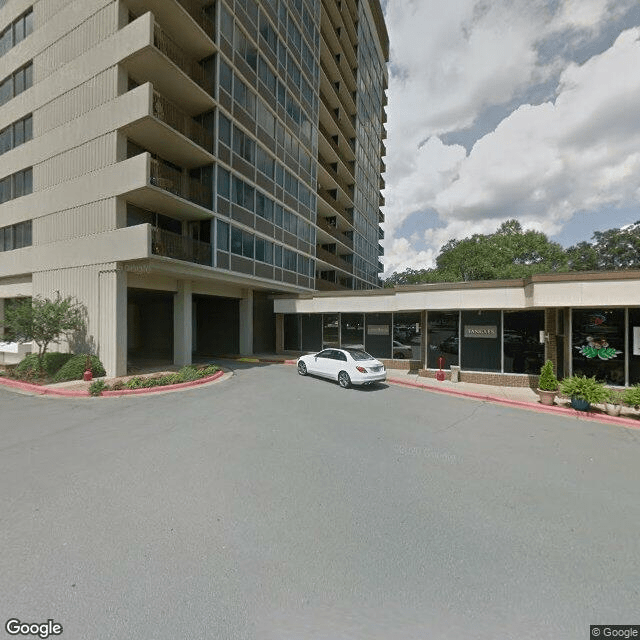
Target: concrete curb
36	389
521	404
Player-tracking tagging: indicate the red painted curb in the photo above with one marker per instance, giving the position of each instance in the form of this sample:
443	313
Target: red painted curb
68	393
521	404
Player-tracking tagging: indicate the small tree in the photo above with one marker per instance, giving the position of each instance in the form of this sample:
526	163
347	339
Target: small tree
548	380
44	321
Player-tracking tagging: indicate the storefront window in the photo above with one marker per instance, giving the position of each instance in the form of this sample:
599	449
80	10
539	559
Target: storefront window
443	338
311	332
352	336
481	344
378	335
407	334
330	330
598	344
523	352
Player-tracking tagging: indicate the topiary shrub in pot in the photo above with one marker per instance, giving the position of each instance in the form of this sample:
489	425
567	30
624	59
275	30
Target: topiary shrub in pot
614	402
548	384
583	392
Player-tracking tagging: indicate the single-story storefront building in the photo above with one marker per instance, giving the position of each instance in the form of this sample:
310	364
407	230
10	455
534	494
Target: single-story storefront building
497	332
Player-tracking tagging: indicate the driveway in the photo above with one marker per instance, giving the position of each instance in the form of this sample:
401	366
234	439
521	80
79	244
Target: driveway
276	507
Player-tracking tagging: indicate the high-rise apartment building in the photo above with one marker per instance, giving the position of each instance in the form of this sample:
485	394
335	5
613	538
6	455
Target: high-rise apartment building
174	163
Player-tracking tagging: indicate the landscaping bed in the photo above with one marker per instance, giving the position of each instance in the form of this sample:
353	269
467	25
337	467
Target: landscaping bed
186	375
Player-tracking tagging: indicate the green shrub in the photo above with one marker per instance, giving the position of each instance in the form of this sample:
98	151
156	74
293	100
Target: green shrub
135	383
632	396
548	380
51	363
97	387
75	367
588	389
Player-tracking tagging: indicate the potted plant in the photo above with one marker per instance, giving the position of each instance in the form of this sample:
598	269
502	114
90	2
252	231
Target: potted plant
583	392
548	384
614	402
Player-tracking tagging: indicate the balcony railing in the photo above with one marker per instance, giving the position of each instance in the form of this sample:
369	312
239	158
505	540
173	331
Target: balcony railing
333	231
169	48
197	13
327	285
176	182
335	260
180	121
172	245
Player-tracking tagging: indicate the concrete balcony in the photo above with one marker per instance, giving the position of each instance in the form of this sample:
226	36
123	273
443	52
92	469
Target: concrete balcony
333	259
174	73
118	245
158	187
168	131
172	245
327	285
334	233
184	21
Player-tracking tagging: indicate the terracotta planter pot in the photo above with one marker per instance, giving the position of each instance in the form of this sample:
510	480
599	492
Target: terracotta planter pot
612	409
547	397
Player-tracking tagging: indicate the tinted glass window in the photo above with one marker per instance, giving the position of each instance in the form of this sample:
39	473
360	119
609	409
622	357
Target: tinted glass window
523	352
598	344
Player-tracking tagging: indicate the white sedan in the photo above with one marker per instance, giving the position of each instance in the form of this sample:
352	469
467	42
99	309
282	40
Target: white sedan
347	366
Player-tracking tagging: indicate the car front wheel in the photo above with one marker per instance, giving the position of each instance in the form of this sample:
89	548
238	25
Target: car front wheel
344	380
302	368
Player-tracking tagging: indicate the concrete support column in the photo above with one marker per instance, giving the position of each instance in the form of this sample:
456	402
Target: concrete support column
279	332
246	324
551	345
112	318
182	324
423	349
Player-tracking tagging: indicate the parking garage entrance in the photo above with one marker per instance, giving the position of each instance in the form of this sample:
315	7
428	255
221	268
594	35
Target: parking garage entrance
149	328
216	326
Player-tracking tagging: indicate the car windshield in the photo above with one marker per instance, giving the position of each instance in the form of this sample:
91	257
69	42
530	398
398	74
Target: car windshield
356	354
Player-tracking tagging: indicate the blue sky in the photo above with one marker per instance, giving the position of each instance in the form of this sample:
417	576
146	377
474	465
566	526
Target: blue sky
498	109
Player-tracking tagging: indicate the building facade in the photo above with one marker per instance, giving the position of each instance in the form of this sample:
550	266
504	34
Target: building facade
172	164
497	332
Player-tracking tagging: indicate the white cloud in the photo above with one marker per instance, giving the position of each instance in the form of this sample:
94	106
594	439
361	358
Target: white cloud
542	163
546	162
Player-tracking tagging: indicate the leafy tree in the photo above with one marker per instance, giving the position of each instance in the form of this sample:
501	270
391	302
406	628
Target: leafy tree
44	321
609	250
583	257
510	252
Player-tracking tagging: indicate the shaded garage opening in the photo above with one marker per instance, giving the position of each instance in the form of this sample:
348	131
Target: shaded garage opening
149	328
216	325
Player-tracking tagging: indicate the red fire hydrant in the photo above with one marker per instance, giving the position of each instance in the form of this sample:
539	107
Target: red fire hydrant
87	376
440	374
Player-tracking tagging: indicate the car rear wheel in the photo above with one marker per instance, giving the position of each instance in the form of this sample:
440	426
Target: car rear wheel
344	380
302	368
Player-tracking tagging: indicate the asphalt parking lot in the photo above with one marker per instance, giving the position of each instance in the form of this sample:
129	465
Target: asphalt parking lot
277	507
